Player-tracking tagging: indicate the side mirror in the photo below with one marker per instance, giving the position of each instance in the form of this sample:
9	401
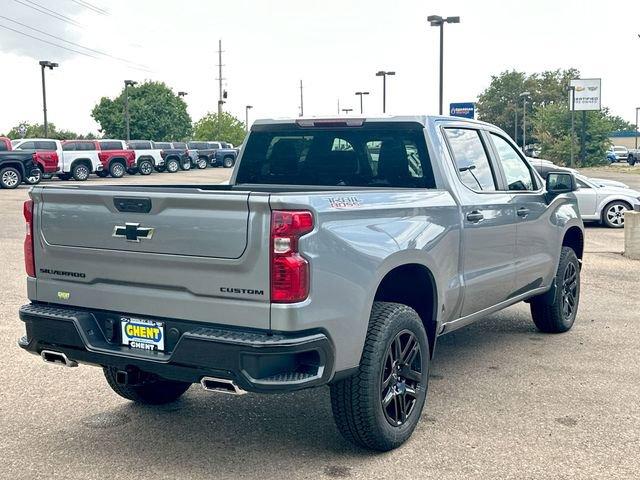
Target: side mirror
560	182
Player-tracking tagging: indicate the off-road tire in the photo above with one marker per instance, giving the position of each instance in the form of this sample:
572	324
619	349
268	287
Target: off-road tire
173	165
186	165
10	178
228	162
357	401
34	179
202	163
151	392
552	316
80	172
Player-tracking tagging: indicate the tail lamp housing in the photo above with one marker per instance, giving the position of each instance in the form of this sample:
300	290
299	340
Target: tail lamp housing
29	259
289	269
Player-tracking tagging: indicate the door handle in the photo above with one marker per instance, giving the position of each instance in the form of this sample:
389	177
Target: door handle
522	212
475	216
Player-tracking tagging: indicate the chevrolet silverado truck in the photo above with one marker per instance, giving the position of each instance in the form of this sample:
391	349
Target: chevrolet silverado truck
48	158
223	154
174	158
116	158
338	253
148	157
16	166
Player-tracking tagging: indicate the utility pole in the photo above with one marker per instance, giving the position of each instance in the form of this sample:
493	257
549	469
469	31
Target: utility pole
127	84
515	125
220	99
636	135
301	101
45	64
524	96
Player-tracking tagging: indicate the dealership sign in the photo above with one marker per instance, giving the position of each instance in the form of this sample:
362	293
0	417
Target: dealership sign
466	110
586	93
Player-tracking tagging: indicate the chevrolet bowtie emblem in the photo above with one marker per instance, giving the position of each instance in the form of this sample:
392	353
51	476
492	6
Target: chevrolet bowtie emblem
132	232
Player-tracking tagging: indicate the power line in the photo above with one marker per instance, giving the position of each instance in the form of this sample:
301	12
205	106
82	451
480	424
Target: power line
52	14
50	43
92	7
51	11
77	44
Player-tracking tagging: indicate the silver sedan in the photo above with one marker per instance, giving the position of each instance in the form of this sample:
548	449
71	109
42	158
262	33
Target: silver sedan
605	203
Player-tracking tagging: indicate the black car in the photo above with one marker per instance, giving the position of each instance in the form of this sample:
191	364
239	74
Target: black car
174	158
16	166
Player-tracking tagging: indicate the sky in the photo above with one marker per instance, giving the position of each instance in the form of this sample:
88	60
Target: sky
334	47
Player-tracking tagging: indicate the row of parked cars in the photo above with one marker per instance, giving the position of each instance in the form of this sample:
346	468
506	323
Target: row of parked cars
29	160
619	153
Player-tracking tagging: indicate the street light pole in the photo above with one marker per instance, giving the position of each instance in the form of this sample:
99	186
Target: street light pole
127	84
246	116
438	21
384	74
347	110
524	96
515	125
360	94
182	94
636	135
50	65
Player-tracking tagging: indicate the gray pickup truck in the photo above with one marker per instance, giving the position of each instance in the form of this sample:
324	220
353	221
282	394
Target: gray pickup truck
338	253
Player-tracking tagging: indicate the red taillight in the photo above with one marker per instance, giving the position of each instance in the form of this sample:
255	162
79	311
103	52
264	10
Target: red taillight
289	270
29	260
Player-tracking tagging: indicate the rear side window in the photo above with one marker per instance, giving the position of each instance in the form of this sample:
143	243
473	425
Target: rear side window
516	171
165	145
198	145
140	145
472	161
106	145
380	155
180	145
27	146
85	146
69	146
45	145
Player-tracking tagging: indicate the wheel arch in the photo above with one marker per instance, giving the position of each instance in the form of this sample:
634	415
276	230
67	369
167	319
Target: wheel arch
574	239
85	161
414	285
17	165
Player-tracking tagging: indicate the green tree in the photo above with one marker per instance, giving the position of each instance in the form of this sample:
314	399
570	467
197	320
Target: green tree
156	113
36	130
225	128
551	125
498	102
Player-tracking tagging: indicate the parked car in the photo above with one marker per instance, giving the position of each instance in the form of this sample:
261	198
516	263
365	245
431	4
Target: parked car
598	199
80	158
193	156
174	158
202	151
621	153
315	266
16	166
48	160
5	144
148	157
633	156
115	158
223	154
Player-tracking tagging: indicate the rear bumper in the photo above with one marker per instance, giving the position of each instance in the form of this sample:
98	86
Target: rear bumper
255	360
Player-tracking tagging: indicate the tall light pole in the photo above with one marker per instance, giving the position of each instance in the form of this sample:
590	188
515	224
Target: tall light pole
438	21
50	65
524	96
360	94
515	124
636	135
182	94
246	116
572	89
384	74
127	84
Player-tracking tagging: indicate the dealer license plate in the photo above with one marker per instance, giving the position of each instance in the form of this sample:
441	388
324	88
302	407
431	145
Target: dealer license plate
142	334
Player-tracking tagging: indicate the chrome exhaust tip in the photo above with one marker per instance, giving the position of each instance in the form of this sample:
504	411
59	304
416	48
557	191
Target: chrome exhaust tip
221	385
57	358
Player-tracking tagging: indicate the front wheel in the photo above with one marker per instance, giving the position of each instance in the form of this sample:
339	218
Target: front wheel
557	314
202	163
186	165
150	391
34	179
228	162
379	406
631	160
613	214
10	178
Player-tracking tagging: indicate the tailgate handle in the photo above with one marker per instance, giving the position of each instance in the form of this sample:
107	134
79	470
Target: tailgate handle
132	205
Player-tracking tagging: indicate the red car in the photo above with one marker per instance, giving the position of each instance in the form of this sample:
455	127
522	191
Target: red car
5	144
114	155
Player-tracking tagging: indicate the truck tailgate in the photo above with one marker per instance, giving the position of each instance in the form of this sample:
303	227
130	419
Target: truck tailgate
182	253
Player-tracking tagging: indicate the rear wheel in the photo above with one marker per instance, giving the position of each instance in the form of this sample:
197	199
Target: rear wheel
34	179
117	170
379	406
173	165
10	178
557	314
631	160
150	391
145	167
613	214
80	172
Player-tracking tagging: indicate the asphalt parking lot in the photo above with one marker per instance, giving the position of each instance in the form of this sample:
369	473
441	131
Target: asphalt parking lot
505	401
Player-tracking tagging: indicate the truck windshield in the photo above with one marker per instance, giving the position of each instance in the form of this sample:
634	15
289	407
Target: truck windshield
381	155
